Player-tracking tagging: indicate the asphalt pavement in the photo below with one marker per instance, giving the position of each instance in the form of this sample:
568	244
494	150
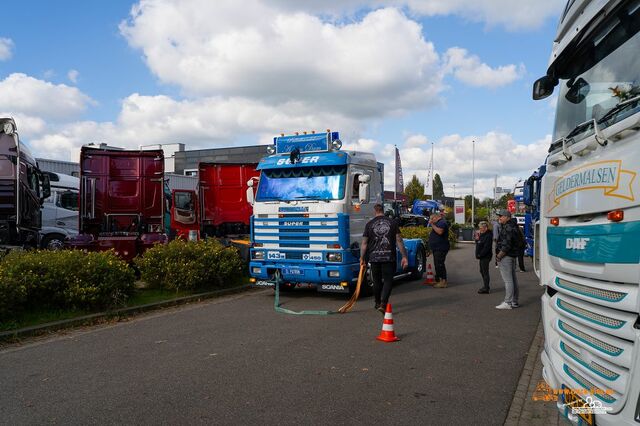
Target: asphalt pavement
235	360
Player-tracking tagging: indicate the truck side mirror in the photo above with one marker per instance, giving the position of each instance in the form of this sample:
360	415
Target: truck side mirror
250	196
46	186
543	87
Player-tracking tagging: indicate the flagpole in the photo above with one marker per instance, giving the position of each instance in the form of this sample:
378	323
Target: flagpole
395	170
432	178
473	180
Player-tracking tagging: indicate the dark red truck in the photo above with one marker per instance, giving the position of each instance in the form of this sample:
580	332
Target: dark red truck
221	207
121	200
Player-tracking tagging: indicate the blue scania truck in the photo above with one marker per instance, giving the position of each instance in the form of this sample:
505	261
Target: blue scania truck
310	206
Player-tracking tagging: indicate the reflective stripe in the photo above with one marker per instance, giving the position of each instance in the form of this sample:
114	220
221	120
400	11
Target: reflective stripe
387	327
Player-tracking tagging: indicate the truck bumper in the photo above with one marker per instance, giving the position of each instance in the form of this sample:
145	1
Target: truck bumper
325	278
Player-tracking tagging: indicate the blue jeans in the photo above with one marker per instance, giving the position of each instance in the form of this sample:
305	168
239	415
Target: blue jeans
508	272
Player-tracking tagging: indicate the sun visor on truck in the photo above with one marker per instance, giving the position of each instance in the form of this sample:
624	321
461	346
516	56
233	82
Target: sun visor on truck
314	142
305	160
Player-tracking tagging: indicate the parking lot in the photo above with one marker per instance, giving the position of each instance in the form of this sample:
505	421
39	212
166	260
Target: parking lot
235	360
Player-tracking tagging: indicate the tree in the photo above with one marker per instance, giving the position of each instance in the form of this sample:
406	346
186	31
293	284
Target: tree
414	190
502	201
438	189
467	205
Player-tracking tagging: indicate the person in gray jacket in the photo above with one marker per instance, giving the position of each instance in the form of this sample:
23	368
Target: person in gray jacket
508	251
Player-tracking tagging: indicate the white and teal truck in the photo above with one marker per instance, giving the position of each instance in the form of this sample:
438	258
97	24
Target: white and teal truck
589	229
310	208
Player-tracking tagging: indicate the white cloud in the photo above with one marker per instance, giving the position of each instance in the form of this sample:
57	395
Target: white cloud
27	95
366	145
6	48
472	71
376	66
513	15
73	75
206	122
495	154
415	141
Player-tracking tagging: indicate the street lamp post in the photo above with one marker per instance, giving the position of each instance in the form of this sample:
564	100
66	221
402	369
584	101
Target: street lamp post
473	181
454	191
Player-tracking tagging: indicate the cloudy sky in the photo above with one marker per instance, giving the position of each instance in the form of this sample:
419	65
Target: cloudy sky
414	73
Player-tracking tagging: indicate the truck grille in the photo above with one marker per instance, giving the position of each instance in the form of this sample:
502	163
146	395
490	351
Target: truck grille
591	316
596	293
586	384
7	198
296	234
593	366
590	340
595	335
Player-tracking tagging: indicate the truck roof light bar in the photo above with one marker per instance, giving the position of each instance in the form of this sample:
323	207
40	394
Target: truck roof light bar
555	221
615	215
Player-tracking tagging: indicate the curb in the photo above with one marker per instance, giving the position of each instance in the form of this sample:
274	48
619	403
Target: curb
36	330
521	393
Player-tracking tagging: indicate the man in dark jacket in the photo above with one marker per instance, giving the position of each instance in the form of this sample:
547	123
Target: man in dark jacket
439	245
508	251
484	245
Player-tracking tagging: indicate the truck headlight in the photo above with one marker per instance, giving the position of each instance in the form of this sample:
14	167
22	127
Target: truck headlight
334	274
257	255
334	257
256	270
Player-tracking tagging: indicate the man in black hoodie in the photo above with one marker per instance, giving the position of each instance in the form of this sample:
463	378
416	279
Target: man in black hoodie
508	251
484	254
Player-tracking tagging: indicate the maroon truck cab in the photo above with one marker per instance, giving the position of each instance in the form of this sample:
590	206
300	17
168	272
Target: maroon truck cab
224	209
121	200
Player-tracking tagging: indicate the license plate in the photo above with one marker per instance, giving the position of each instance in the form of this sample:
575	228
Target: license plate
292	271
572	400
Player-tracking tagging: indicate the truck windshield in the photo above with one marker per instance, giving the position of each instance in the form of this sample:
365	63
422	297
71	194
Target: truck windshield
308	183
601	79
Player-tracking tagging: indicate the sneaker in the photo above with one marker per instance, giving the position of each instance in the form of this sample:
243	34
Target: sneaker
381	309
503	305
484	291
376	306
515	305
522	270
497	266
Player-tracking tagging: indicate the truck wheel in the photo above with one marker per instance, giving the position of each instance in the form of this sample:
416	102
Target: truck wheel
420	261
53	242
366	288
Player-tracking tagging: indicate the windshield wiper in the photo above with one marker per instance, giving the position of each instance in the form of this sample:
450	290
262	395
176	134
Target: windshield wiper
621	106
580	128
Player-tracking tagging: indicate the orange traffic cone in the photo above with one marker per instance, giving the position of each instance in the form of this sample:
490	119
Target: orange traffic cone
387	334
429	280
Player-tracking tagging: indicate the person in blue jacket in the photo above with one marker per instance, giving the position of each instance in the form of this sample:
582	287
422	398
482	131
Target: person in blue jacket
484	253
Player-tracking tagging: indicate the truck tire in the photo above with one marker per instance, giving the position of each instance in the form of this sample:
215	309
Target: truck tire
53	242
366	288
419	264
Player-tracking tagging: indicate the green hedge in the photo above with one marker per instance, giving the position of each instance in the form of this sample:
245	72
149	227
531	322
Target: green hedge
183	265
423	232
62	280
